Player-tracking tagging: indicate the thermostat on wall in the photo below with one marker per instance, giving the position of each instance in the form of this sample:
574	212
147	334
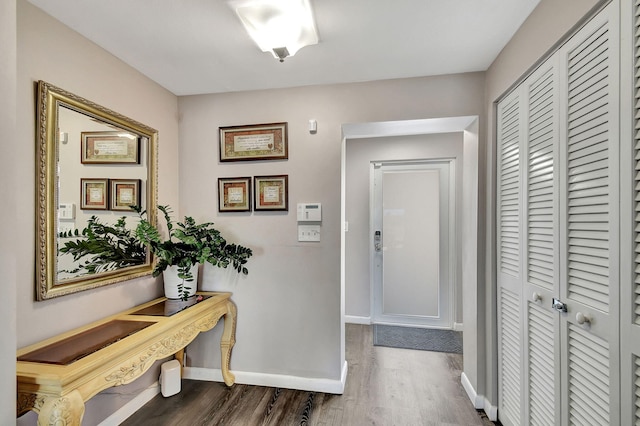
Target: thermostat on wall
66	211
309	212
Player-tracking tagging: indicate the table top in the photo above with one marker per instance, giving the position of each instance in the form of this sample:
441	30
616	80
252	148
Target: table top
74	345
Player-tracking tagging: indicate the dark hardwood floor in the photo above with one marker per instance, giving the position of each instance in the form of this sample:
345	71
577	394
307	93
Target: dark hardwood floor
385	386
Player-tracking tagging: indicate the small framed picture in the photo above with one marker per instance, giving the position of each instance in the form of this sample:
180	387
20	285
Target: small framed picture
94	194
124	194
234	194
254	142
271	193
109	148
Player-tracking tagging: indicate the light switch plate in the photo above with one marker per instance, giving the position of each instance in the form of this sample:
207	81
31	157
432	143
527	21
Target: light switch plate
66	227
308	232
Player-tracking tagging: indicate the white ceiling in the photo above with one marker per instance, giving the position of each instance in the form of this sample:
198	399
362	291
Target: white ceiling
199	46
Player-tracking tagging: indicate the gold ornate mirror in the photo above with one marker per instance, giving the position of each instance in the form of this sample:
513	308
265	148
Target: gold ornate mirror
93	164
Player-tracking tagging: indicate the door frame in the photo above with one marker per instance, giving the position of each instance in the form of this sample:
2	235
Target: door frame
474	377
452	237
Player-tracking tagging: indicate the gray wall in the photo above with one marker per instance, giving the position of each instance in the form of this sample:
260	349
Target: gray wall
289	305
8	214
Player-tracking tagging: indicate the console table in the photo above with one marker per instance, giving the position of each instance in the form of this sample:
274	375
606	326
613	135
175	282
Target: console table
57	376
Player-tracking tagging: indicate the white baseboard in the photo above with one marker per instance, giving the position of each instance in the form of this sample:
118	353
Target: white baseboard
490	410
132	406
476	400
272	380
479	402
353	319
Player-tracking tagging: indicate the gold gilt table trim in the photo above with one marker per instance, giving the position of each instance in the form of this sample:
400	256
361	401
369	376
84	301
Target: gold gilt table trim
58	392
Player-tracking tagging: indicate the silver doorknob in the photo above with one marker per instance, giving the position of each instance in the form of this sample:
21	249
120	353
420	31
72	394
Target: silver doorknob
582	318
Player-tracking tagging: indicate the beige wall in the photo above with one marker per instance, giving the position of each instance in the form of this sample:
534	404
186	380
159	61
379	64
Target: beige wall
289	305
546	25
8	214
49	51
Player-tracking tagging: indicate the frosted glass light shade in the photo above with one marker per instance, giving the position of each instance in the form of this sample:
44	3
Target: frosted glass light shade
278	24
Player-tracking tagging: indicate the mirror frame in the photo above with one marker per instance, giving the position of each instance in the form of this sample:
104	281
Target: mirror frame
50	99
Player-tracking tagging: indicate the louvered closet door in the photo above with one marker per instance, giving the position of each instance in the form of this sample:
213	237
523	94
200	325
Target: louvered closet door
558	237
510	366
589	240
529	352
541	283
630	206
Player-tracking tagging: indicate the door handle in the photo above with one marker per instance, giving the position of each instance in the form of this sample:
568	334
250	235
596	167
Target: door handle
377	241
583	318
558	305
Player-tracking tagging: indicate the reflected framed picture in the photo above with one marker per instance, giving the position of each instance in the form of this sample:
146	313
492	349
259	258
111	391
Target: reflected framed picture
94	194
254	142
109	148
124	194
234	194
271	193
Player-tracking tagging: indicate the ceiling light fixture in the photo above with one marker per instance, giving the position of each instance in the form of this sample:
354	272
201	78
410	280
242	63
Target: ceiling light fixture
281	27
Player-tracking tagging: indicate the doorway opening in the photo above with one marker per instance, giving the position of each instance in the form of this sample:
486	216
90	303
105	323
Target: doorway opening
464	129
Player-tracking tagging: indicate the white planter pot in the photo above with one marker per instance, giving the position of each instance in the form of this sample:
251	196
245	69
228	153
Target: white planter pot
172	282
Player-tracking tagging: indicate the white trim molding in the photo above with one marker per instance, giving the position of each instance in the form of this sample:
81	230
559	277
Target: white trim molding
457	326
354	319
476	400
272	380
479	402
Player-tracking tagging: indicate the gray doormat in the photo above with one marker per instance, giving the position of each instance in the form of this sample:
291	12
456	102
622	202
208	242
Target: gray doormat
425	339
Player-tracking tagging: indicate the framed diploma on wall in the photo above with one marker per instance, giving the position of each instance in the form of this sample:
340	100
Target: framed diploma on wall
234	194
125	193
254	142
109	148
271	193
94	194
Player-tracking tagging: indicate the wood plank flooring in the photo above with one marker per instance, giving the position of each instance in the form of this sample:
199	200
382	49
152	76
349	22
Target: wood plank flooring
385	386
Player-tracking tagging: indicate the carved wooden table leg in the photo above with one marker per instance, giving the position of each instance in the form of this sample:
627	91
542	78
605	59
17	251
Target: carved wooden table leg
64	411
180	357
227	341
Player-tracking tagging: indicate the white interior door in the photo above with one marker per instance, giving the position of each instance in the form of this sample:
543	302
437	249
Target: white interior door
509	261
412	218
589	241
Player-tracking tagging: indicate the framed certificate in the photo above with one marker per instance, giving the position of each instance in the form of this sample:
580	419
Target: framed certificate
125	193
254	142
271	193
94	194
234	194
109	148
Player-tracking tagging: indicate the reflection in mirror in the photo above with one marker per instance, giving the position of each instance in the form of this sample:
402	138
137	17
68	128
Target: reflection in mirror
94	164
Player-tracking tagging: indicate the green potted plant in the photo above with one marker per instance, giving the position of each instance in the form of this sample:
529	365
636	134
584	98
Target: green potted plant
188	244
101	247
